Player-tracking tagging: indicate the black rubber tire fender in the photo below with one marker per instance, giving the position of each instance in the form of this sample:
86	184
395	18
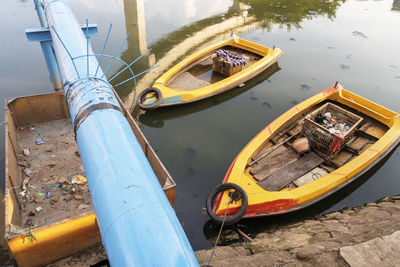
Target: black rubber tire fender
230	219
144	93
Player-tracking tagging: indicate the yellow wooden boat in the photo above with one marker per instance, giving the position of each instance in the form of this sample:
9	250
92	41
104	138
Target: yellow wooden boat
66	224
192	79
270	177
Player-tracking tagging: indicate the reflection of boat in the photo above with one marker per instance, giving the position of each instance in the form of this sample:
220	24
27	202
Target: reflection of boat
193	79
67	223
269	177
157	117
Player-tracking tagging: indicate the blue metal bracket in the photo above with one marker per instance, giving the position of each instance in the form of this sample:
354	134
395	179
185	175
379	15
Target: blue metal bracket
43	34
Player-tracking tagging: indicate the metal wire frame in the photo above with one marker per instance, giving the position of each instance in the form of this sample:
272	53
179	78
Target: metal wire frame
102	55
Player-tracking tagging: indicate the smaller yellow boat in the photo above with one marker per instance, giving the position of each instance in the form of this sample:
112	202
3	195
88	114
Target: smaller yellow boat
193	78
312	150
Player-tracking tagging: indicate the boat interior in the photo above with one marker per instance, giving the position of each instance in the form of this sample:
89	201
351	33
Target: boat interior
277	166
200	73
43	157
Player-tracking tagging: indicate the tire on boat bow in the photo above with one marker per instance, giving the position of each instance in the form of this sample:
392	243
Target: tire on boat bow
236	195
142	98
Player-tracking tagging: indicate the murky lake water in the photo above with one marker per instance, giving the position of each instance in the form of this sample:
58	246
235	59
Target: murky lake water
354	42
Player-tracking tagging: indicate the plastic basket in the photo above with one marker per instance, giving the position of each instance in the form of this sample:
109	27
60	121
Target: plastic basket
320	135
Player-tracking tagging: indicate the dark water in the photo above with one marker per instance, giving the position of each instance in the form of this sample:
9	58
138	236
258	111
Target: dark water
354	42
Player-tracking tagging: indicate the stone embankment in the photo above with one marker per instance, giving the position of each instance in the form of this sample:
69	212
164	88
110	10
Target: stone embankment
350	237
368	235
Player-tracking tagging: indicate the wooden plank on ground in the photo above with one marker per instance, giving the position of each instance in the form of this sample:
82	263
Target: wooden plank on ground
310	176
288	174
278	159
376	252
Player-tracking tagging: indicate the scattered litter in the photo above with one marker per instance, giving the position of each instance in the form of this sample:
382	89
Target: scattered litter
28	199
31	214
78	197
28	222
58	185
39	209
39	197
66	187
48	194
23	193
27	171
312	12
330	122
26	151
83	206
40	141
78	179
23	164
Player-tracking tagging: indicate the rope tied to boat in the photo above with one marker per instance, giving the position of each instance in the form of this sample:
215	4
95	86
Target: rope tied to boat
231	57
220	230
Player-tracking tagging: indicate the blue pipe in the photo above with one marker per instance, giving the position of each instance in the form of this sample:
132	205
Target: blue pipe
137	224
47	50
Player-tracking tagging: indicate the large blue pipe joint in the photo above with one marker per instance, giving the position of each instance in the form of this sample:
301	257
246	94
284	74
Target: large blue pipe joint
137	223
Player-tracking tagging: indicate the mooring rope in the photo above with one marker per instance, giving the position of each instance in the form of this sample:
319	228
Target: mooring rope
219	234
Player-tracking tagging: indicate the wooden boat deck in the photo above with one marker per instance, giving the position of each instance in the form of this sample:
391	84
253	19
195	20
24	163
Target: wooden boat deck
284	169
200	74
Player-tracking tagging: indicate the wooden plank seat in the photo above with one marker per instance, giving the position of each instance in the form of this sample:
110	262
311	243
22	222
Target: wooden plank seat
281	178
276	160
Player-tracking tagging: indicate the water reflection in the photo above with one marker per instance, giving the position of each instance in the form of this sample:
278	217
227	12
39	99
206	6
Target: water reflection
290	13
198	141
240	17
157	117
396	5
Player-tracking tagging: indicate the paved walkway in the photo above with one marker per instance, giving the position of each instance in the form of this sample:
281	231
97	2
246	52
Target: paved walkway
384	251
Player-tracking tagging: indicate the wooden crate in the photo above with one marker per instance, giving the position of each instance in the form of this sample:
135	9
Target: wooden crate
225	68
320	135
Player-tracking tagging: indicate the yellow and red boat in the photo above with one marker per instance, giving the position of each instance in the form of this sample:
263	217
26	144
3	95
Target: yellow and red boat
270	177
193	79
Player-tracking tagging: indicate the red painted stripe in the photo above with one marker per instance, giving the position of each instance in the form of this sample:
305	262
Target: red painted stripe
272	206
